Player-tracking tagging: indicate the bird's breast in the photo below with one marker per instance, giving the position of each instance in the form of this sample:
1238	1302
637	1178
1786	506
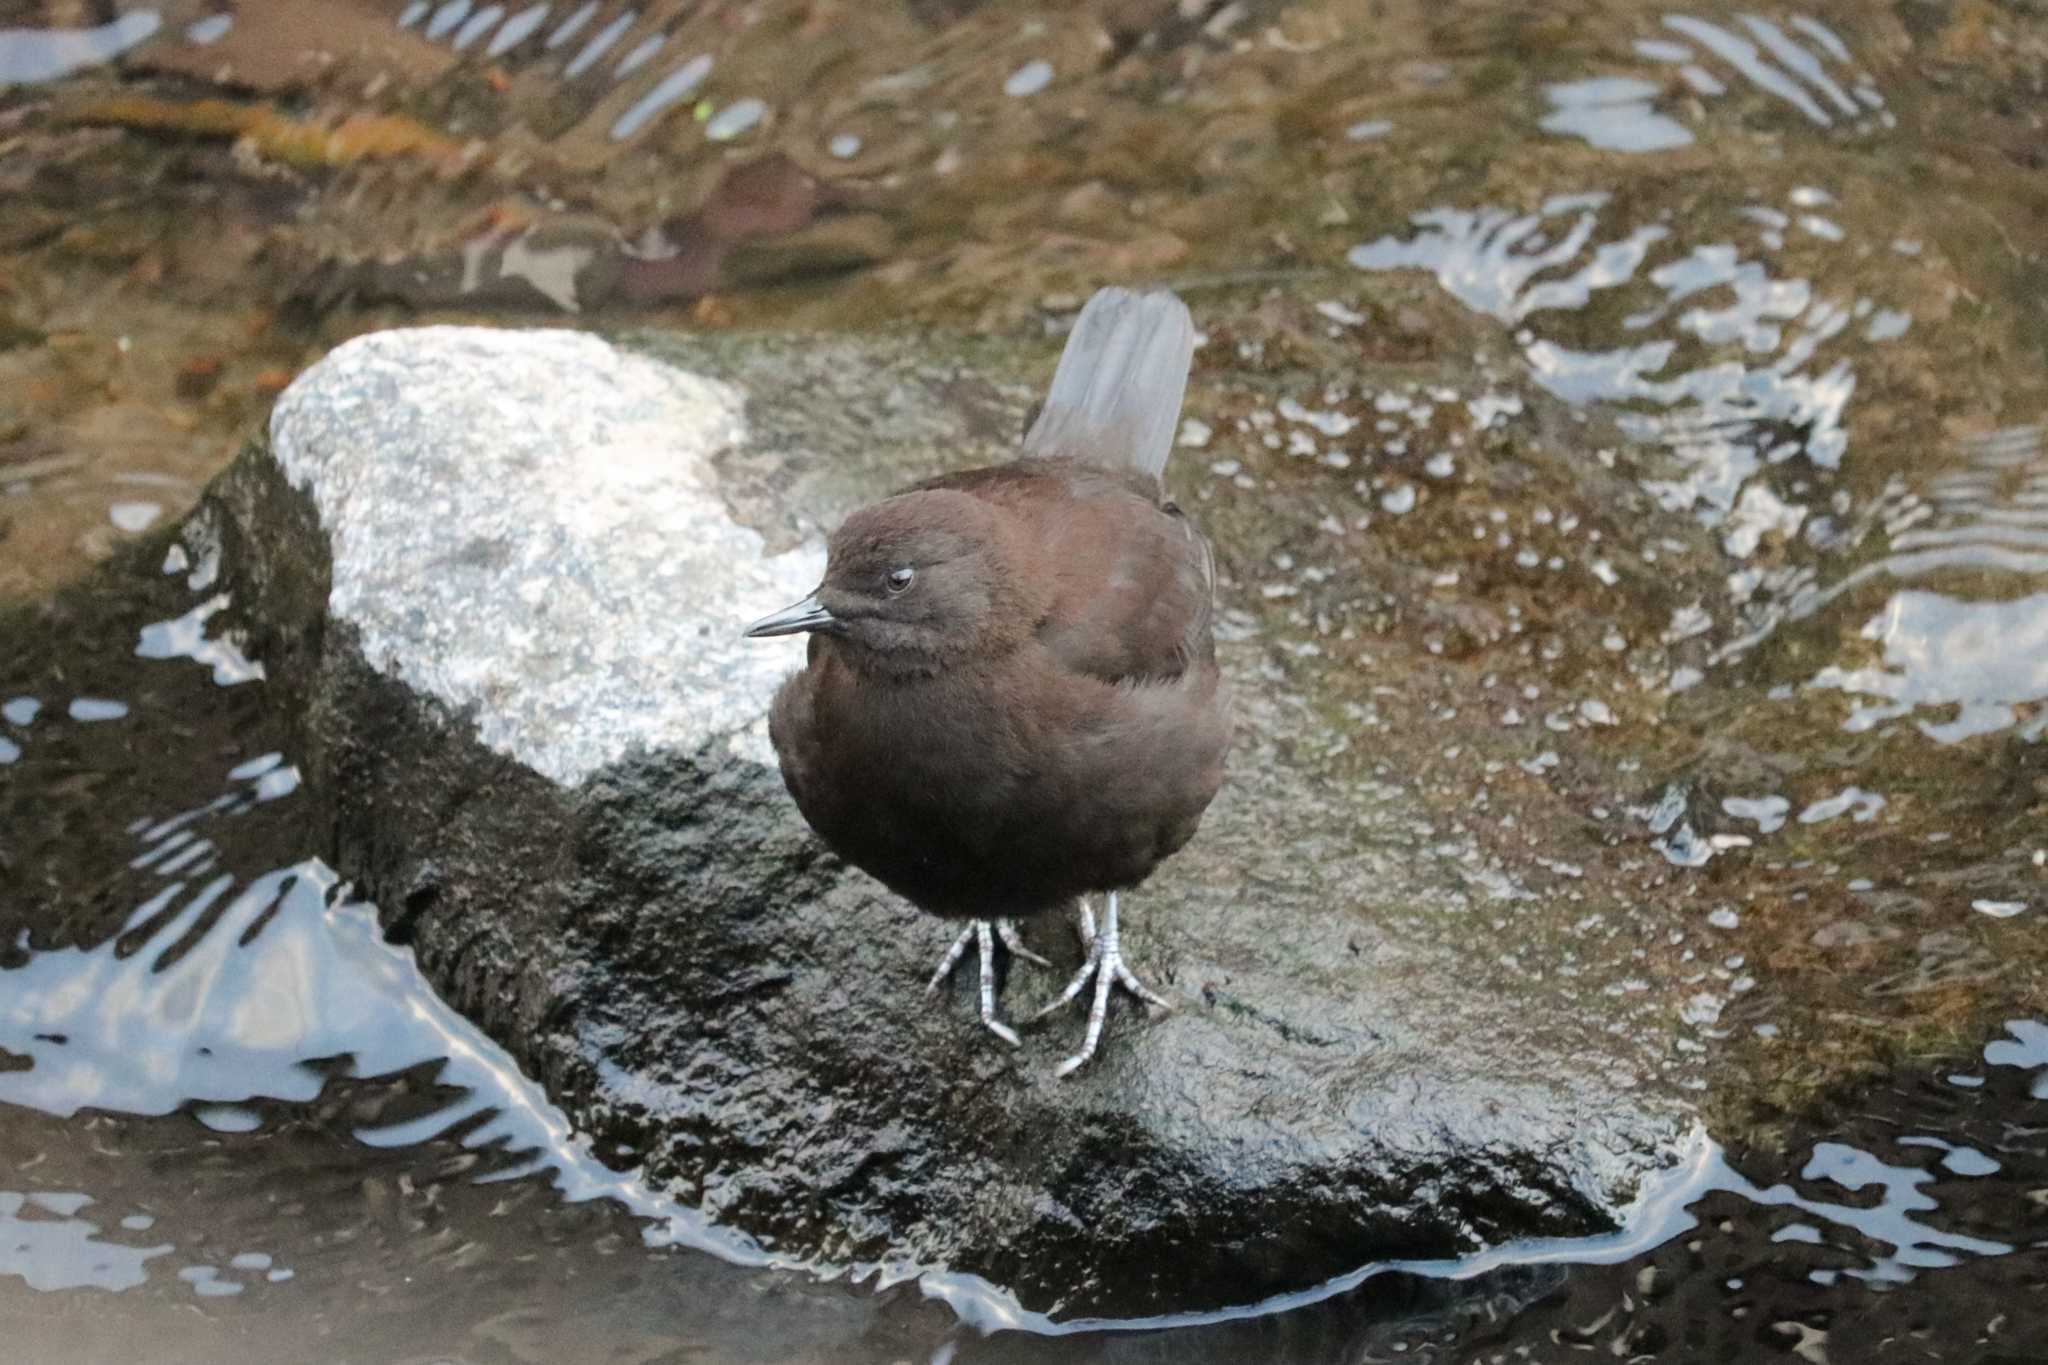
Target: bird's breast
1017	785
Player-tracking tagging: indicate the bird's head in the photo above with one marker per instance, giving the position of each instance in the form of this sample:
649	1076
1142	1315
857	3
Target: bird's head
915	584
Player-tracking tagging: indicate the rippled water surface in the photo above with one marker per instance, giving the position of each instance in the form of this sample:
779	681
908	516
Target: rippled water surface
1774	275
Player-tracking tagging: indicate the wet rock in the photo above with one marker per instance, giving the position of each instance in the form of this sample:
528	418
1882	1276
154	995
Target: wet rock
498	578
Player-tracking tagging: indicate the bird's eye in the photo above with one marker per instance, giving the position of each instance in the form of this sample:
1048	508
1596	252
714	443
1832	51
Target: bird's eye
898	579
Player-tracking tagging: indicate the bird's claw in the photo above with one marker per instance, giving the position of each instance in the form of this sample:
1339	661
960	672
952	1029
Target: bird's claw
1105	965
984	933
1006	930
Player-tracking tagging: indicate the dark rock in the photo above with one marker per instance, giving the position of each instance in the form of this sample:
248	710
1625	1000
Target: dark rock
499	579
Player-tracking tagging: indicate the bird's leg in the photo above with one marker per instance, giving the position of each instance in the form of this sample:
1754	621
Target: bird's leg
984	933
1105	963
1087	925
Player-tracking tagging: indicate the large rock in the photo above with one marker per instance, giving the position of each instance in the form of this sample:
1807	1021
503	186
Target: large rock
499	577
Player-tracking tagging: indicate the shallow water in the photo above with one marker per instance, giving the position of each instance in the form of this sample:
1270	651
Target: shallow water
1782	265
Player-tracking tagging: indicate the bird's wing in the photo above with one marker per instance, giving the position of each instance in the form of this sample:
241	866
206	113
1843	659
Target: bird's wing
1136	589
1134	582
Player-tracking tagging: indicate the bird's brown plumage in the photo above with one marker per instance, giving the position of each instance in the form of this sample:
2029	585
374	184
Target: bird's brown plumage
1061	725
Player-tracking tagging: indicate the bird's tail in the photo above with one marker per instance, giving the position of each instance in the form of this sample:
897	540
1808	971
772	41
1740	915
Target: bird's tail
1115	399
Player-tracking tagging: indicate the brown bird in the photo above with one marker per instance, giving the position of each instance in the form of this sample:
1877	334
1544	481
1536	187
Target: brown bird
1011	699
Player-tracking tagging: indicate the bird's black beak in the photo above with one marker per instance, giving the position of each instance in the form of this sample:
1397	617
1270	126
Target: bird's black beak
809	614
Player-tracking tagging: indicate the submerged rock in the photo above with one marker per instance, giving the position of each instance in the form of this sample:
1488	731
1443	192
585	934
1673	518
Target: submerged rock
499	578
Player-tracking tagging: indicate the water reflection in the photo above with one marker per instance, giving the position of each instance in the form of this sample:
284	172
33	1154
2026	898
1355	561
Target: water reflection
185	637
1735	369
1977	663
30	55
451	13
641	54
480	23
1982	659
225	1000
736	119
600	43
573	25
209	30
1723	422
1890	1222
678	85
45	1242
1989	514
517	30
1614	113
1755	67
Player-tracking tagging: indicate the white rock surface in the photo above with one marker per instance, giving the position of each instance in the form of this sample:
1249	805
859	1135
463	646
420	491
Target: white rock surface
528	523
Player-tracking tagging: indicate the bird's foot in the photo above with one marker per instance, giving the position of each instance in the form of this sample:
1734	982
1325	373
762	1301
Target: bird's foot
1105	965
984	934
